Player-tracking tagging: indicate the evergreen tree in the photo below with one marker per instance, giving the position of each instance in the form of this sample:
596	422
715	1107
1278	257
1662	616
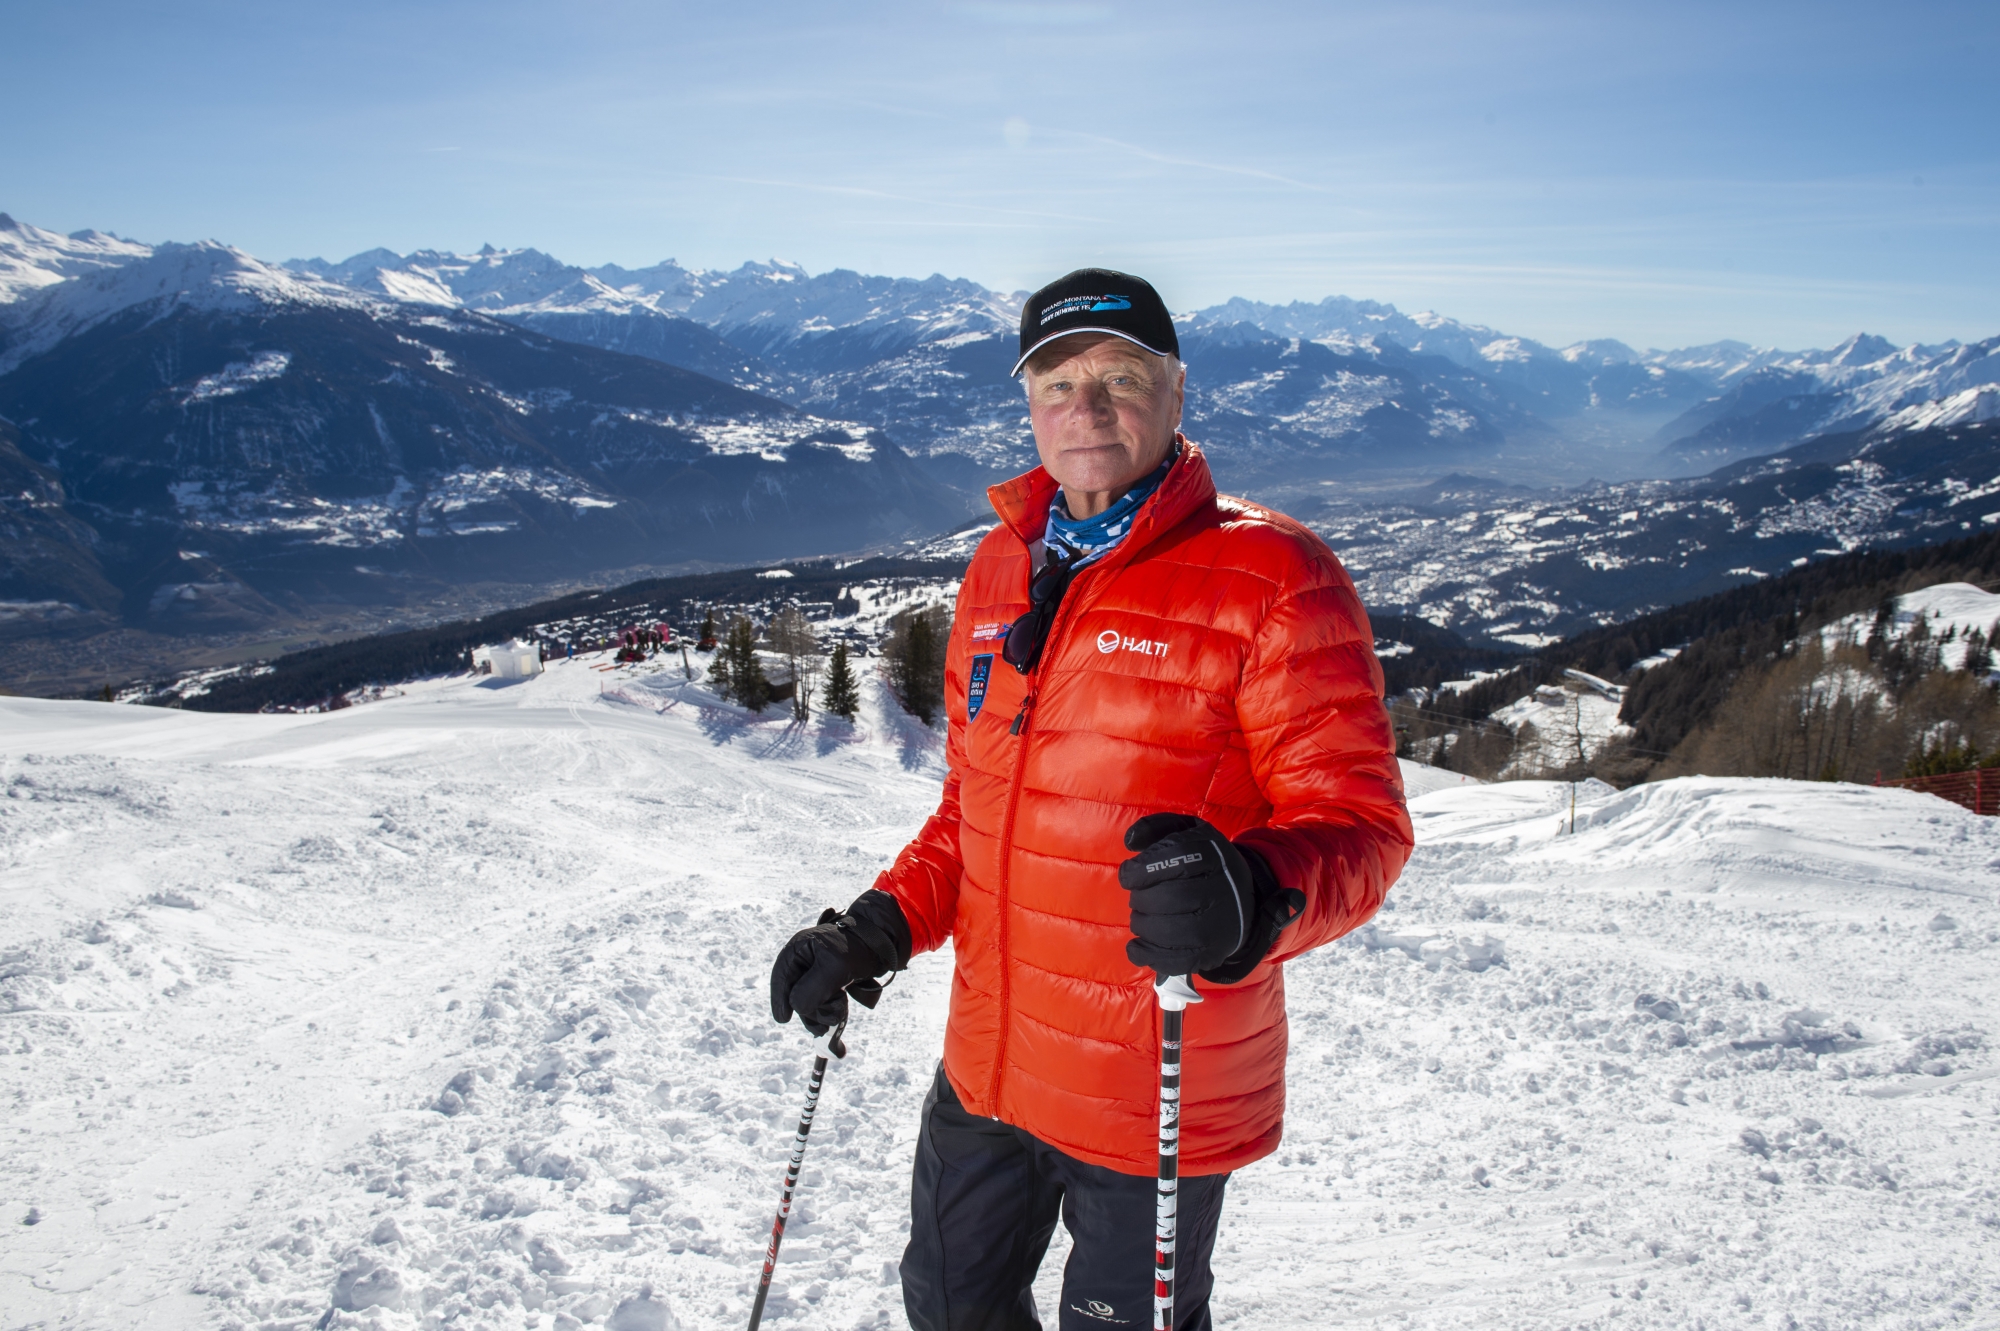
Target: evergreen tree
916	659
706	642
1883	630
747	684
843	698
1978	654
718	676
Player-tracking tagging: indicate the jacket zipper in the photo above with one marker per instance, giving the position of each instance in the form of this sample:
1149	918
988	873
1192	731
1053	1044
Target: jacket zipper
1019	728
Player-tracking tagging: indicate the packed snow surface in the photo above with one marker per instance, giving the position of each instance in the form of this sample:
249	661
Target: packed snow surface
449	1010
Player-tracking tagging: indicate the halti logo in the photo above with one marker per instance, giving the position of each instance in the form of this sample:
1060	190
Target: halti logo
1111	640
1102	1311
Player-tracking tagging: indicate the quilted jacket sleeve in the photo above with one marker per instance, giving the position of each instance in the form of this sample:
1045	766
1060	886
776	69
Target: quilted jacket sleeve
1323	752
925	877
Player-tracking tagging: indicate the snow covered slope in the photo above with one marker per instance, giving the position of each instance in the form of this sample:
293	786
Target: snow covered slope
206	278
449	1009
31	258
1951	612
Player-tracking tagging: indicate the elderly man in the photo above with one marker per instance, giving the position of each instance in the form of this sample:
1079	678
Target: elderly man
1136	664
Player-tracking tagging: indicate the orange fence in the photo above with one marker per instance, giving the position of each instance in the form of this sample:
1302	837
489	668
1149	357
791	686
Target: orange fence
1977	790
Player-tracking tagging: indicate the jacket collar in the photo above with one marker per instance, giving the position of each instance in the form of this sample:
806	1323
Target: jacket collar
1023	503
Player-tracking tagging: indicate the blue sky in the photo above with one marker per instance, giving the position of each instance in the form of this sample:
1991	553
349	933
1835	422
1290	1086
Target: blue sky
1663	173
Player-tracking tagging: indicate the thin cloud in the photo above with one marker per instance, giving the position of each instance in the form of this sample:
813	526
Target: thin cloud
859	191
1036	16
1168	160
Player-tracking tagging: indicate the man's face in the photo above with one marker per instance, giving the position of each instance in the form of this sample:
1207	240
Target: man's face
1104	413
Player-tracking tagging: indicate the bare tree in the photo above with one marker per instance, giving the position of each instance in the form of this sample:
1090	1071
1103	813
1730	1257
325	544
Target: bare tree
792	637
1813	716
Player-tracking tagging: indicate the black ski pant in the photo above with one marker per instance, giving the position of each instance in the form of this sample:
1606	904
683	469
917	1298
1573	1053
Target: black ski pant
983	1206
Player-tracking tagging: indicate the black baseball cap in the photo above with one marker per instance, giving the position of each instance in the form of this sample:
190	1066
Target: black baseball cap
1097	300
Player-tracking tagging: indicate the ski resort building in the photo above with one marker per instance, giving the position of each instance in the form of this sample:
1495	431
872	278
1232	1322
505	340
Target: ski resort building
510	660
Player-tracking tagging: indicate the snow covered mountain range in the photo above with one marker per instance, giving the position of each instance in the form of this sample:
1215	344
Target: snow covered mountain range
193	440
926	359
199	441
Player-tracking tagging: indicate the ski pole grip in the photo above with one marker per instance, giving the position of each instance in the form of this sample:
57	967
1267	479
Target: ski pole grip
1174	992
830	1045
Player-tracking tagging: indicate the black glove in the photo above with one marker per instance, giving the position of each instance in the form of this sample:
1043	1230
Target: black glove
1200	904
839	956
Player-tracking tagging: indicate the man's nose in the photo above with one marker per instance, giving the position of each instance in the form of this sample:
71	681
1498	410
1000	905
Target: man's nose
1093	401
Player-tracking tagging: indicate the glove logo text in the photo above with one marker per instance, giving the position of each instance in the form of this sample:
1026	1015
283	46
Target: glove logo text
1160	866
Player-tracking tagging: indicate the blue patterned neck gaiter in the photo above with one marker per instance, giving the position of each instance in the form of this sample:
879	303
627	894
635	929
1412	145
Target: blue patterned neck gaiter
1086	540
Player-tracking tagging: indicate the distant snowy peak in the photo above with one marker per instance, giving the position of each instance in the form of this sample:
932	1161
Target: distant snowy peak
1916	376
666	285
1339	320
31	258
784	304
1863	356
1719	362
491	281
1962	408
775	303
1600	351
205	276
1864	384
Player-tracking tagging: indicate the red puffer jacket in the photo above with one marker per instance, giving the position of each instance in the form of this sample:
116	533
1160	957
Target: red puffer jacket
1216	663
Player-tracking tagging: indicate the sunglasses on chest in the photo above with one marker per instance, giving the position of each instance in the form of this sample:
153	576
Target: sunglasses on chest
1027	635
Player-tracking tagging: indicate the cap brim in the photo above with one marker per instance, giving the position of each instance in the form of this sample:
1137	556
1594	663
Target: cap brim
1071	332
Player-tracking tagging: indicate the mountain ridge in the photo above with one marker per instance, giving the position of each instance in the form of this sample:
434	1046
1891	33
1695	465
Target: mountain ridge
200	442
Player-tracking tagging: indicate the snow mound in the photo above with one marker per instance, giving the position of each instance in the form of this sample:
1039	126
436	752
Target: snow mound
450	1009
1421	778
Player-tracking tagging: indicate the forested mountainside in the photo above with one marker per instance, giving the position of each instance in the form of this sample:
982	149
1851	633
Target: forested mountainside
1841	669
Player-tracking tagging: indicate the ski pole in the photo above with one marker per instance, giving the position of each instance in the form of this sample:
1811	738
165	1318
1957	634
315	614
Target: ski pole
827	1045
1174	993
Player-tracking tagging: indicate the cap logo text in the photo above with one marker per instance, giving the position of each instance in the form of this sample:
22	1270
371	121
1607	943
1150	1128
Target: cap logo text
1084	305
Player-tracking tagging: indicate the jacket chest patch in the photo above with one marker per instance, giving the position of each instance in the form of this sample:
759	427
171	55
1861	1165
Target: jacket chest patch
975	684
1112	641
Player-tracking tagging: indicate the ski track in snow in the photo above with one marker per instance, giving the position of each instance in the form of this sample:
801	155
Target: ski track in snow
243	959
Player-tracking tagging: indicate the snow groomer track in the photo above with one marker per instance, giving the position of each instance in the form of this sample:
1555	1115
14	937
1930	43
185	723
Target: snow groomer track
450	1010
